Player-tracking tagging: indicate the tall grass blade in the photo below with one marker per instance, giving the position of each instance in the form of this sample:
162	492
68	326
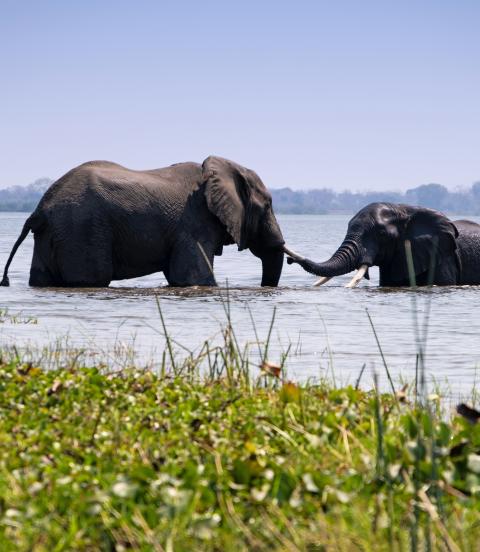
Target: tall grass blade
433	261
167	336
382	355
329	349
269	335
255	331
207	261
357	383
410	265
380	464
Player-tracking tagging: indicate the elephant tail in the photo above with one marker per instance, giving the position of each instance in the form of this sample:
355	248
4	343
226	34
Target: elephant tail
26	229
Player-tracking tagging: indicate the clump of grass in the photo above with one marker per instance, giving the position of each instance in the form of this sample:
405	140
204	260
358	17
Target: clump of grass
62	354
6	317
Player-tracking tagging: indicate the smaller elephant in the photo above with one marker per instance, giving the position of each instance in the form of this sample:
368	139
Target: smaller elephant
444	252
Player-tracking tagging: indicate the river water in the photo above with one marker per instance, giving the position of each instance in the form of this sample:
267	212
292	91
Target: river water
327	328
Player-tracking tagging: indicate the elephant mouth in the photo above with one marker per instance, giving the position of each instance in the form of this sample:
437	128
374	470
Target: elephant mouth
367	255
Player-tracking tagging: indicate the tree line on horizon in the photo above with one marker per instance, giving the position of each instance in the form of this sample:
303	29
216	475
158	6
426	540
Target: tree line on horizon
288	201
326	200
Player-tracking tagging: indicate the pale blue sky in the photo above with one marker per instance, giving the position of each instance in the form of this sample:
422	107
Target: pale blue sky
343	94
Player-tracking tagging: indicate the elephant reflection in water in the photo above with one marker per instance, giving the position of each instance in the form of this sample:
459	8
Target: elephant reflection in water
444	252
102	222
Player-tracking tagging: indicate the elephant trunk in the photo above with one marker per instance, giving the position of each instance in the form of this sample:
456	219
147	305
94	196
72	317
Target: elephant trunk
344	260
272	264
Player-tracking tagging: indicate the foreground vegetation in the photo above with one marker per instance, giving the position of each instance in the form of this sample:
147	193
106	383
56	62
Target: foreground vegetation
99	460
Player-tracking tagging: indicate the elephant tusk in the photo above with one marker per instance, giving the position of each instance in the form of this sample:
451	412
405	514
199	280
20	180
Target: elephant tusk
292	254
321	281
357	277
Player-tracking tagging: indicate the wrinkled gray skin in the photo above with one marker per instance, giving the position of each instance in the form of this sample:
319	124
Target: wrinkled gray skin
103	222
376	235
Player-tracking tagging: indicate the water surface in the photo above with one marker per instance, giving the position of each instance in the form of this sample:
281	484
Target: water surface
327	327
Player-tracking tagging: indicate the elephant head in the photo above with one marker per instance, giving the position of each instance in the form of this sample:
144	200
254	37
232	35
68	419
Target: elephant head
377	235
242	203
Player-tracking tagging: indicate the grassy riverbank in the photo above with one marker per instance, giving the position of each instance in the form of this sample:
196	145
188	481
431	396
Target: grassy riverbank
91	460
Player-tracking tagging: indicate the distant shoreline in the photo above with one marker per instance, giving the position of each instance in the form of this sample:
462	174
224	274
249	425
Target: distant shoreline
320	201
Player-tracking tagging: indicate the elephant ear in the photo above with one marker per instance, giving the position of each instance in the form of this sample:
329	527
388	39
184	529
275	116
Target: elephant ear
226	192
430	233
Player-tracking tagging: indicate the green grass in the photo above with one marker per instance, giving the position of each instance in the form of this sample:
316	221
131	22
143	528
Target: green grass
92	460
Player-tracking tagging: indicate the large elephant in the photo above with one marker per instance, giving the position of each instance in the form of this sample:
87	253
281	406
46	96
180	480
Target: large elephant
103	222
444	252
